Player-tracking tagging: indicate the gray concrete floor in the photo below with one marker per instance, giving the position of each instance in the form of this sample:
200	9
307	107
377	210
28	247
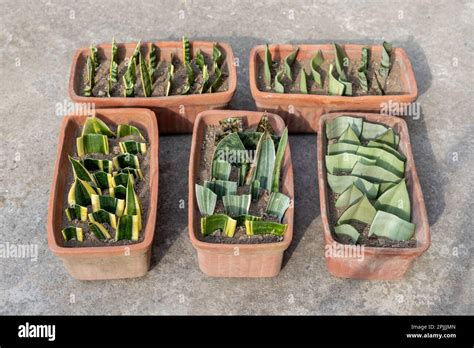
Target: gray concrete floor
38	39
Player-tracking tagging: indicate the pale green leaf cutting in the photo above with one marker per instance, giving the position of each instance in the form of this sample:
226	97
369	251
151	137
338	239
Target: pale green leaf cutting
347	230
303	82
337	126
341	61
267	66
388	138
349	196
391	226
218	79
265	162
362	211
279	160
395	201
374	173
90	77
236	205
216	55
315	65
349	136
337	148
230	149
385	60
221	169
344	162
278	85
371	130
384	159
221	187
206	200
335	86
277	205
288	62
339	184
387	148
362	72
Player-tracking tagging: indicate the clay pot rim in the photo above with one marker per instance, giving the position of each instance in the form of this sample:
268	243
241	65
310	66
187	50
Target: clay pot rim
399	52
243	248
322	181
193	99
53	203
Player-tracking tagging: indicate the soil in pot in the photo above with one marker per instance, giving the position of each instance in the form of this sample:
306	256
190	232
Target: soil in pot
140	186
259	204
368	199
159	75
389	85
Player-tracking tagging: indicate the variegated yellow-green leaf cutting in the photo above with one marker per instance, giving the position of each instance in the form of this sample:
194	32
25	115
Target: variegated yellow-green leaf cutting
113	70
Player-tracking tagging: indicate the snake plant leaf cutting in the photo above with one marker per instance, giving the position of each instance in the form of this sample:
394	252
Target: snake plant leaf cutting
342	61
363	70
349	137
73	232
265	227
395	200
113	69
236	205
362	211
303	82
215	222
99	230
76	212
206	200
95	125
103	216
217	80
103	190
94	55
348	230
283	141
90	77
169	77
277	205
217	55
92	143
200	62
132	147
366	182
391	226
278	85
267	66
252	204
130	78
385	60
186	50
315	68
288	63
336	87
145	76
351	195
124	130
128	228
152	61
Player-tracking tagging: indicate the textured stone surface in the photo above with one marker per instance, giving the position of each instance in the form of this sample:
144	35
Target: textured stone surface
37	41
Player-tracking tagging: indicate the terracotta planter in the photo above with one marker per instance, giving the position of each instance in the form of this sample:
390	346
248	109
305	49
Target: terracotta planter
301	112
237	260
111	262
377	263
175	114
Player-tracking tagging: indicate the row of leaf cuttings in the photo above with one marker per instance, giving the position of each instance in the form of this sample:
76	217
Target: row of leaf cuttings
366	172
338	81
211	81
103	192
259	173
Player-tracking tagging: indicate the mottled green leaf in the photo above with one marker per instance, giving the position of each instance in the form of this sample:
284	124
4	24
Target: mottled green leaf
145	77
277	205
391	226
236	205
385	60
222	222
362	72
395	201
221	187
221	169
362	211
206	200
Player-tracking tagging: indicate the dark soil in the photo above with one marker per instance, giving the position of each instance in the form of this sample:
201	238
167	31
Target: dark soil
392	85
257	207
160	78
141	187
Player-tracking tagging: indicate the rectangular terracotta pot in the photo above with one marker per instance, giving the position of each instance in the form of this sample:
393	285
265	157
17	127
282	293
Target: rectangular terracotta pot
111	262
301	112
237	260
377	263
175	114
